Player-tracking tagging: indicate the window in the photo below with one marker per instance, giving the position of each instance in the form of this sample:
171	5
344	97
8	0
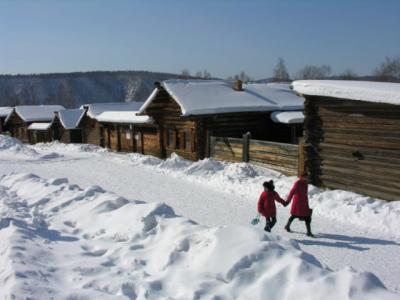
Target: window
188	139
128	134
170	138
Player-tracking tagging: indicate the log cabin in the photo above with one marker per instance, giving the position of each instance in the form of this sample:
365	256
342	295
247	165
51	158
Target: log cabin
187	112
40	133
4	112
125	131
92	132
67	125
21	117
352	134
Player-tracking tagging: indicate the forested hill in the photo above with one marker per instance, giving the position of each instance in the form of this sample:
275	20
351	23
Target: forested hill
74	89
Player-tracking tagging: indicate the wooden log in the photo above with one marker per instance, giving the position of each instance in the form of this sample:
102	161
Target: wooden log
359	187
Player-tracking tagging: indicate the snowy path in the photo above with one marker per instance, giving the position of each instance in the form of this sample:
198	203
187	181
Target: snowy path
339	244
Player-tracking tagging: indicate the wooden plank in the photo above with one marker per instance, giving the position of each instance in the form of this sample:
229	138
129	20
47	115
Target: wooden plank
283	170
351	184
278	159
375	132
373	152
388	180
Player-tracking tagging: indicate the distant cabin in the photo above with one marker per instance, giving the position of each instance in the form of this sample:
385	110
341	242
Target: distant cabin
125	131
31	123
4	112
352	133
92	130
187	112
67	125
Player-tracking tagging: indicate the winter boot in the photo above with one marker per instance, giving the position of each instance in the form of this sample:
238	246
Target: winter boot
308	226
267	228
289	222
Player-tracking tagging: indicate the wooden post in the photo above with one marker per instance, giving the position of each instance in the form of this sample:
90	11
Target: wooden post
141	142
118	138
301	159
246	146
133	138
208	144
108	138
161	136
211	146
201	142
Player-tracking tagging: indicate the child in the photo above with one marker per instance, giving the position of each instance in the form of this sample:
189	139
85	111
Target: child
300	208
266	204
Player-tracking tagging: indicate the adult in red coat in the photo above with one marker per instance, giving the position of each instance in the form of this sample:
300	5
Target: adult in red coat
300	208
266	204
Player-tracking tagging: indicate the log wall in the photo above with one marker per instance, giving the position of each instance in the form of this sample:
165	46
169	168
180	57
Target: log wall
40	136
277	156
91	131
227	149
18	128
353	145
285	158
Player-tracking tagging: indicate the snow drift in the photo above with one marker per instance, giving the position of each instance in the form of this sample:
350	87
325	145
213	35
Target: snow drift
60	241
11	147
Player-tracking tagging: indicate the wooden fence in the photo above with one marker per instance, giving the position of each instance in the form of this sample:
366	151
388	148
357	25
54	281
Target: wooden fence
285	158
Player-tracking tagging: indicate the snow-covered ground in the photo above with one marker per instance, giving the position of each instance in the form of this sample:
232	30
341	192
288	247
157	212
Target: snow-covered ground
71	238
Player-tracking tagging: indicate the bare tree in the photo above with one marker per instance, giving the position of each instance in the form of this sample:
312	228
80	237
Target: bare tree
389	70
241	76
313	72
348	74
185	73
206	74
280	73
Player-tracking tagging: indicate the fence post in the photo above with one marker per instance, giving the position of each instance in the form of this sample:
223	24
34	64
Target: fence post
246	146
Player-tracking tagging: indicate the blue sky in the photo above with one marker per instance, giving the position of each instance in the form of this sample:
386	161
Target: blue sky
222	36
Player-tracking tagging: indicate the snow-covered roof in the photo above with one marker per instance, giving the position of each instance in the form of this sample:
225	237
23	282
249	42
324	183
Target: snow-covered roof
5	111
70	118
36	113
129	117
39	126
288	117
381	92
95	109
201	97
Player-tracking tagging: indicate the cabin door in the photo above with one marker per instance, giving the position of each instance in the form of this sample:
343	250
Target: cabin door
76	136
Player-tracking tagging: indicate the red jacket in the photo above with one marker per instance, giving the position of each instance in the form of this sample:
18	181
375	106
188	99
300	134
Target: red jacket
299	193
266	203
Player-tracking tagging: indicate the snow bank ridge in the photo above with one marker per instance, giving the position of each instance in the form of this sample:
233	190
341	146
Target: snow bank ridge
11	146
61	241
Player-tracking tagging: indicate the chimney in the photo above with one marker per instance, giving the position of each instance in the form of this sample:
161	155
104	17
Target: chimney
238	85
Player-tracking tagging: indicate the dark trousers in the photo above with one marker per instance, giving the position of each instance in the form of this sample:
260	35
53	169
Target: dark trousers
305	219
269	223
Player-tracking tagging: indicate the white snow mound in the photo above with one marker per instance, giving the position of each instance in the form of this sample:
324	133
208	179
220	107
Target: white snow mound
12	146
62	242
